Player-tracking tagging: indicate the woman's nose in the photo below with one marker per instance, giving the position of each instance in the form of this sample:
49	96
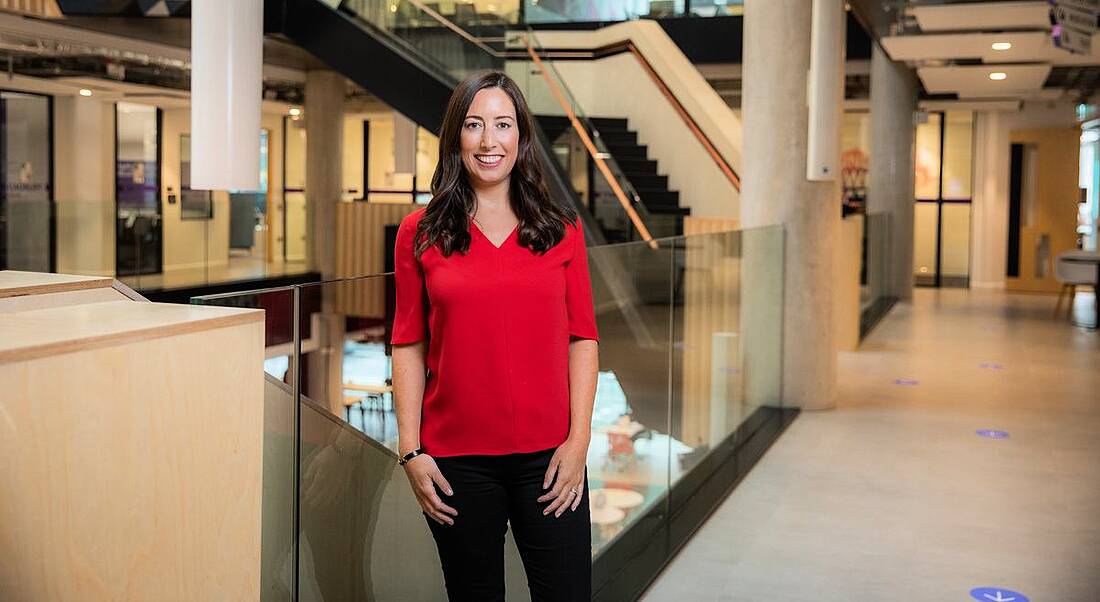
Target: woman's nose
488	141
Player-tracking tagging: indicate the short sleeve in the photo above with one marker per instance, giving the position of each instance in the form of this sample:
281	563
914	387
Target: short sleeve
409	318
578	290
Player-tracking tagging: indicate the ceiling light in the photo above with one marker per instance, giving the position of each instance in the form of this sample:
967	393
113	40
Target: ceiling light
1002	45
85	92
997	76
294	112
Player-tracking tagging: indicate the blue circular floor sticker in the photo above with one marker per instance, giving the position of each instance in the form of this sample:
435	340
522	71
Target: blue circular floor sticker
993	434
996	594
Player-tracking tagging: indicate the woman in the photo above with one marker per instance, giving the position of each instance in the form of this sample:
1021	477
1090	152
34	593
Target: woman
494	303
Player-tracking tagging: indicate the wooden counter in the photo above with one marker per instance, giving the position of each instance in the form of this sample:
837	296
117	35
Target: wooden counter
130	451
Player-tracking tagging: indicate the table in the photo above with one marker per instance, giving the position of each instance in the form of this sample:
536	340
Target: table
1093	258
617	497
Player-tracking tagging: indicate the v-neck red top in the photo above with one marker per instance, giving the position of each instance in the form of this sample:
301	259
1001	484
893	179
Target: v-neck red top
498	322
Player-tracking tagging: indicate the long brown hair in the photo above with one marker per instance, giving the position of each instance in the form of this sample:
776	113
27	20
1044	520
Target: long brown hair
541	221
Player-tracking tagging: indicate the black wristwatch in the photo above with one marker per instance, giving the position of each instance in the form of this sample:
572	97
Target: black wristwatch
409	456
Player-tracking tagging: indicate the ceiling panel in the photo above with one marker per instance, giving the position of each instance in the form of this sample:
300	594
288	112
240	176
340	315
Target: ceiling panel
983	16
1027	47
972	81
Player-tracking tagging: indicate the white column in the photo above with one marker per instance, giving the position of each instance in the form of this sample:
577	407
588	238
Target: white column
893	102
226	89
776	191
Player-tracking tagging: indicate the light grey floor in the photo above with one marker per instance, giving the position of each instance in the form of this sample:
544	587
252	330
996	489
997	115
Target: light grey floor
892	496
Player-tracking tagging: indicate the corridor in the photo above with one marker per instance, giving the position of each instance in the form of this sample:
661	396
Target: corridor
894	495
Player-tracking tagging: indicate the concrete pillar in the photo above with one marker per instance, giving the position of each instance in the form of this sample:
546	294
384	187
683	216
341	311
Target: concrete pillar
775	191
324	115
890	191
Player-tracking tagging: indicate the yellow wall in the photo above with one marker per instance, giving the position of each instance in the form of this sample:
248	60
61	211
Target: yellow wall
1054	214
188	243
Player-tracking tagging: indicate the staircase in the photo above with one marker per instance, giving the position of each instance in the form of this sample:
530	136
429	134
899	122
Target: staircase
665	215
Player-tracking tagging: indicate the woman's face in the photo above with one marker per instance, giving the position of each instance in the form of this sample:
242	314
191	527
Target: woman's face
490	138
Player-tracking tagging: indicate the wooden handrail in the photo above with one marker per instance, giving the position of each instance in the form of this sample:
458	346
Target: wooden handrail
687	118
591	147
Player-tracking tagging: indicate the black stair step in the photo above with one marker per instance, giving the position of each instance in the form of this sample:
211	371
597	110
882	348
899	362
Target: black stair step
659	197
619	138
628	151
666	210
634	166
553	125
613	124
664	199
647	181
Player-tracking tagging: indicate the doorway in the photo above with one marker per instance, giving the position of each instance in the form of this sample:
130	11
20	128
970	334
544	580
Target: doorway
943	185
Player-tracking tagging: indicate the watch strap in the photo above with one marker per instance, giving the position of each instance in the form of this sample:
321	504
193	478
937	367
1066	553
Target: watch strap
409	456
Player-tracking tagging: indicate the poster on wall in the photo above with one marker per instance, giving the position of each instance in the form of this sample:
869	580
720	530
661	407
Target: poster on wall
137	184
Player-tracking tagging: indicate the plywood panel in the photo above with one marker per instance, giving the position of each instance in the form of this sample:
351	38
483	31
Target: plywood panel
133	472
361	251
14	283
38	333
61	299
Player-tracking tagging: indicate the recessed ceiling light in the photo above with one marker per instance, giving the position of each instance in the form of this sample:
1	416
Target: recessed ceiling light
1002	45
85	92
997	76
295	111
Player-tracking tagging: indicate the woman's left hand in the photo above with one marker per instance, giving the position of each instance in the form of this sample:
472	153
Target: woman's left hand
566	471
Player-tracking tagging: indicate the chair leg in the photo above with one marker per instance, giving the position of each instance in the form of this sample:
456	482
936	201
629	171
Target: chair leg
1069	305
1058	303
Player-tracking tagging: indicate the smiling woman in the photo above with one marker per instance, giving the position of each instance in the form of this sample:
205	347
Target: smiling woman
495	356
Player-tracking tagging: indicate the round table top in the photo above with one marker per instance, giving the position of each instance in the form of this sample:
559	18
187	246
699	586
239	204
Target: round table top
608	515
618	497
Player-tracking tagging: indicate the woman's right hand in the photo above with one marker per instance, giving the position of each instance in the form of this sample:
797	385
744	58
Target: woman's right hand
423	475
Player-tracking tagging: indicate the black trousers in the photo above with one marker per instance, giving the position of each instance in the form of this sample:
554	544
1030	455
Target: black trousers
491	492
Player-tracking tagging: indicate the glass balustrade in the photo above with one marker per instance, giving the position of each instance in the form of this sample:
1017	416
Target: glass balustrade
689	375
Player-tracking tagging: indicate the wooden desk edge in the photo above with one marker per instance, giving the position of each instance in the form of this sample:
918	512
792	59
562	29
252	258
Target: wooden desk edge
55	287
33	352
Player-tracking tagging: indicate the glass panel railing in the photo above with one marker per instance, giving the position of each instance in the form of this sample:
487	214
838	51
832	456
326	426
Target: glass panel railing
278	538
628	458
600	147
875	292
711	397
874	278
454	47
689	358
536	11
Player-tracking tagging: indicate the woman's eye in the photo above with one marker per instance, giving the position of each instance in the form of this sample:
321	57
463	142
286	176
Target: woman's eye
505	125
472	124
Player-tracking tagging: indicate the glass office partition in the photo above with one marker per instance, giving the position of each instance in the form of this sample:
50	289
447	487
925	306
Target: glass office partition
25	181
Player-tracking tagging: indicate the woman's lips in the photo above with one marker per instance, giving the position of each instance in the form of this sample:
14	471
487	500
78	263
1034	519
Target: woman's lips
489	160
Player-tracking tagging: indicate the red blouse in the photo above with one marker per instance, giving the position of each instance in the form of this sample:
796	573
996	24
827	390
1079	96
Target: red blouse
498	322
